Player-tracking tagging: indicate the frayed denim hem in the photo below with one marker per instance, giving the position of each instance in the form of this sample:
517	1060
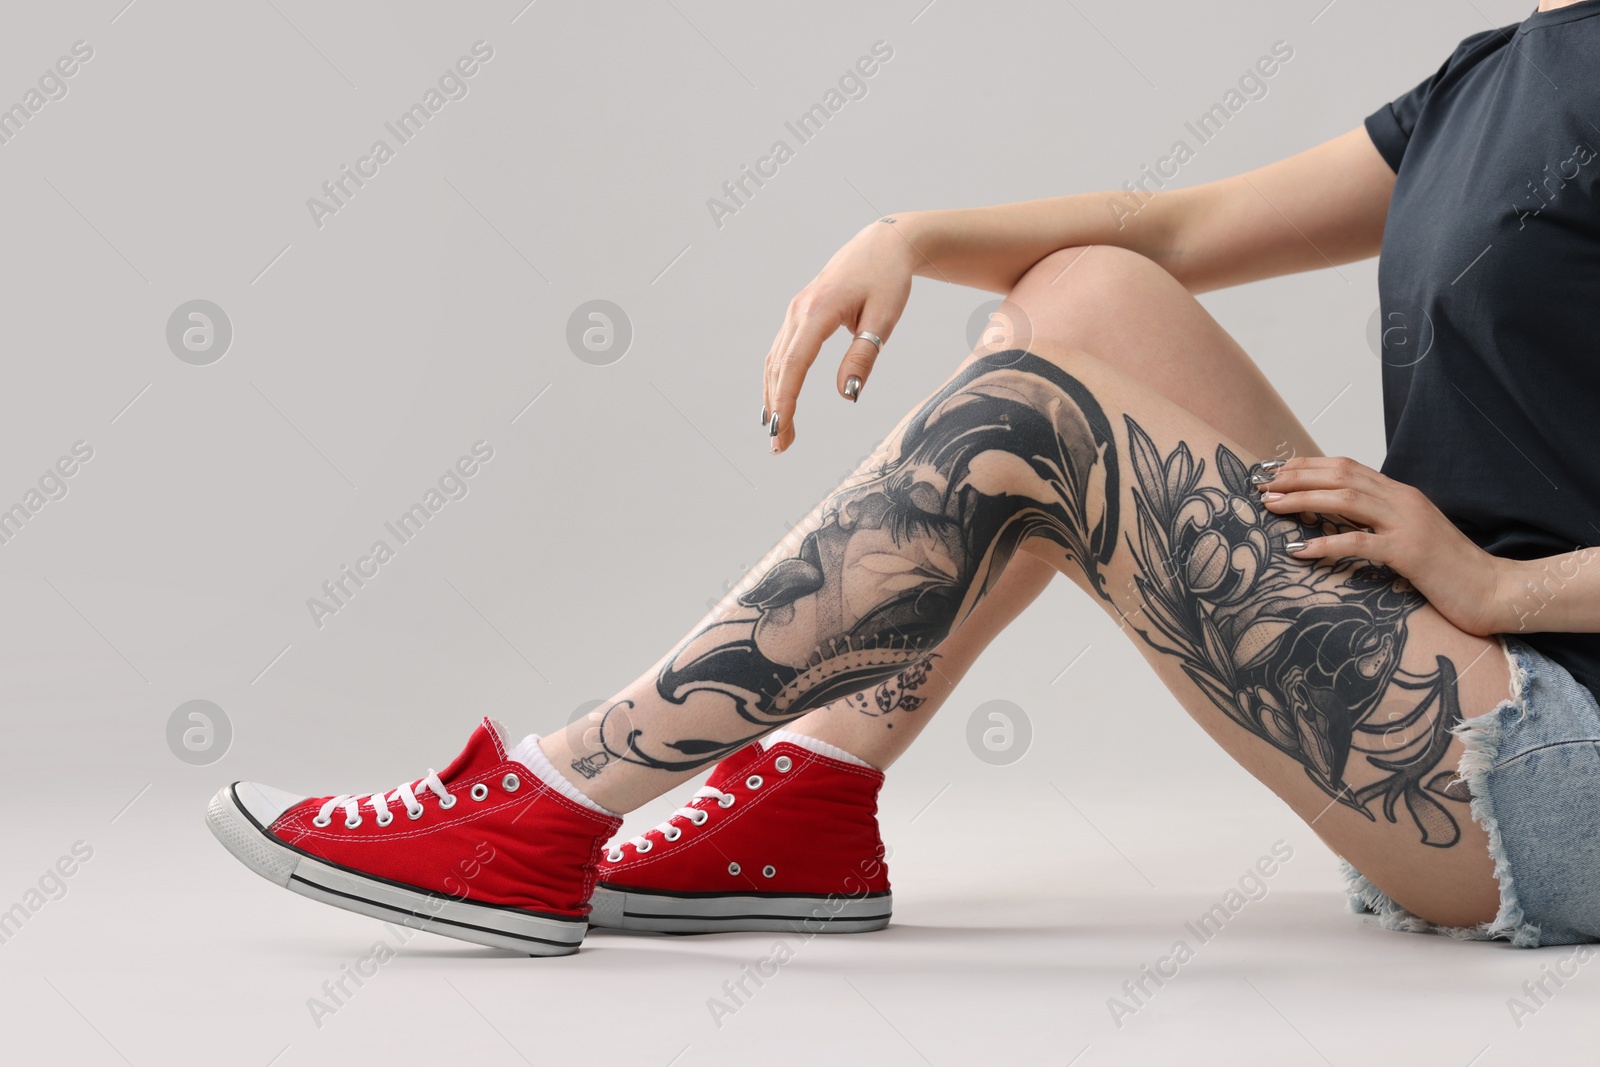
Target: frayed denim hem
1482	737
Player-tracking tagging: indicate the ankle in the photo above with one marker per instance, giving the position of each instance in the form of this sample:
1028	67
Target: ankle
530	752
812	743
609	792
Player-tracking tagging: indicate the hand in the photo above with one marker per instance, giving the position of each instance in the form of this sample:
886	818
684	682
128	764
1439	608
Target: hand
864	286
1405	531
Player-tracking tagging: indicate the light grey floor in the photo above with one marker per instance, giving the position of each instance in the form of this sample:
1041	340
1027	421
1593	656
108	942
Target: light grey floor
1018	922
372	348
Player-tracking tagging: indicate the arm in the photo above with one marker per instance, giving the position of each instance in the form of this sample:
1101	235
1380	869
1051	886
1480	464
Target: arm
1322	207
1319	208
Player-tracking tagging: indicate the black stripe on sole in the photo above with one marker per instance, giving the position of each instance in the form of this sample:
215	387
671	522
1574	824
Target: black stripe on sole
431	918
619	887
762	918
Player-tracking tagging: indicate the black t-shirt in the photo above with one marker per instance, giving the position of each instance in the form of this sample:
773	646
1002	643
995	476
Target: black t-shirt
1489	287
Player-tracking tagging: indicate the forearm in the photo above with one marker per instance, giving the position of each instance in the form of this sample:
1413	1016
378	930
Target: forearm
991	247
1557	594
1316	209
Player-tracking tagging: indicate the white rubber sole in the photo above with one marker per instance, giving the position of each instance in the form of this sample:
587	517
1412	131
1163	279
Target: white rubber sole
298	872
628	909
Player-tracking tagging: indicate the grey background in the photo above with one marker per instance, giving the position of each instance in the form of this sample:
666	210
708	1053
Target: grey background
369	354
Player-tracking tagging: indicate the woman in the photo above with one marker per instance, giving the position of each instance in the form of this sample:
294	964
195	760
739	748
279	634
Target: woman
1339	631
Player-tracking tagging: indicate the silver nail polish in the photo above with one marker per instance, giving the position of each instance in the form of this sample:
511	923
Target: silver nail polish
1270	464
772	430
765	414
1294	546
1262	477
852	388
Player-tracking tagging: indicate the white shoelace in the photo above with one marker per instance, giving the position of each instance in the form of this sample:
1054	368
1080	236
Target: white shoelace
379	802
669	830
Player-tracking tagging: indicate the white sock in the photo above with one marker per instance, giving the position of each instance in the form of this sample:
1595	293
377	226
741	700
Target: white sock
530	755
811	744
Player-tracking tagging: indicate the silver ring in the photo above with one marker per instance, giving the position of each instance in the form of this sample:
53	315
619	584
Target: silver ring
867	335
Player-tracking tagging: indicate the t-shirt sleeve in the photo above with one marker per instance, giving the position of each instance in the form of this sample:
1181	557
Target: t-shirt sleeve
1390	126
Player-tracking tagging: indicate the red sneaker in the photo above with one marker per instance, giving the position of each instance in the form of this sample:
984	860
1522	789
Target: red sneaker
484	852
778	839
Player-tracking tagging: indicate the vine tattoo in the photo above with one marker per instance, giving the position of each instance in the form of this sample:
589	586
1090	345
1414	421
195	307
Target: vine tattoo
897	694
1306	658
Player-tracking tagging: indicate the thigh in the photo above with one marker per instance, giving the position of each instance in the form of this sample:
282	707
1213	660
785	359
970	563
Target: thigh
1126	310
1335	684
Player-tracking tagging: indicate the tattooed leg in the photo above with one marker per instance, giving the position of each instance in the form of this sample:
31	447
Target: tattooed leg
1289	666
877	577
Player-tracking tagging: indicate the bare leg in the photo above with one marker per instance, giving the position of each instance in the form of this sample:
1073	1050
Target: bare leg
1137	317
1335	685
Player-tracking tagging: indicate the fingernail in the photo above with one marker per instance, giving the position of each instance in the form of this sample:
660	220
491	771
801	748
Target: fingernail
852	388
1262	477
1294	546
1270	497
765	414
1270	464
772	430
773	446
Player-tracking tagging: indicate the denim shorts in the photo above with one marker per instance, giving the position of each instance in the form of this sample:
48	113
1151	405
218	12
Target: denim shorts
1533	765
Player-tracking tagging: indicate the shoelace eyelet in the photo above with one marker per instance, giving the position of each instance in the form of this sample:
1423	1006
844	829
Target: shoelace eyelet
783	764
753	782
351	824
614	857
384	818
725	800
644	846
447	802
734	868
414	813
701	821
510	783
672	833
768	871
321	823
480	791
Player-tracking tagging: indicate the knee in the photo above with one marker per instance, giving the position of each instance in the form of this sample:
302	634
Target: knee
1069	290
1106	269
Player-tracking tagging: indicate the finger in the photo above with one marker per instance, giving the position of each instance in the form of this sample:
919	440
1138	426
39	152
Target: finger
769	369
1336	546
794	360
856	367
1349	504
1315	472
